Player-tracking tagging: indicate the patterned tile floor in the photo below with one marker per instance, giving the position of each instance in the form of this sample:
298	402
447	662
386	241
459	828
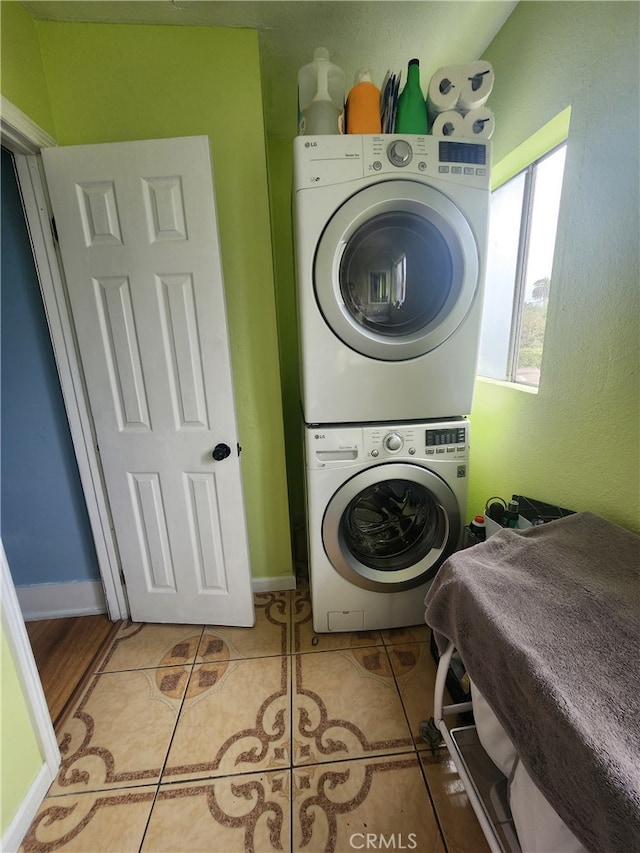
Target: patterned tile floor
225	740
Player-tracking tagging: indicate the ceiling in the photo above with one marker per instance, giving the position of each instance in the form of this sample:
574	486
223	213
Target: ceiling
378	34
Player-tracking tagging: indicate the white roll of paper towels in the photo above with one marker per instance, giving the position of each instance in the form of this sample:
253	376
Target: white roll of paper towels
444	90
449	123
477	83
479	124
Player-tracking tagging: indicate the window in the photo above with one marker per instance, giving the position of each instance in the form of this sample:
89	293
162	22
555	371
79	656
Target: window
522	236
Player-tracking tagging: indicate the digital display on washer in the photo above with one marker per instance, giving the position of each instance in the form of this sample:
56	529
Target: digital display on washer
463	152
452	435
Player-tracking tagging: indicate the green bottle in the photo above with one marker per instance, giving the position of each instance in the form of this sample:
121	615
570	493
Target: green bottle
411	115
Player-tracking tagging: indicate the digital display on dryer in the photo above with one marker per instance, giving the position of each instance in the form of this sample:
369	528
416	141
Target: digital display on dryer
462	152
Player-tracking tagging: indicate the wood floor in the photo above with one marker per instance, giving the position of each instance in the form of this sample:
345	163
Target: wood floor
64	650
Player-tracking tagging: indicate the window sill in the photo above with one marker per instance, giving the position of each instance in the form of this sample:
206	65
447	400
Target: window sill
516	386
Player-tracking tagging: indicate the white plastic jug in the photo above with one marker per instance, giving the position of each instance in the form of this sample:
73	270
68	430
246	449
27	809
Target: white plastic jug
321	86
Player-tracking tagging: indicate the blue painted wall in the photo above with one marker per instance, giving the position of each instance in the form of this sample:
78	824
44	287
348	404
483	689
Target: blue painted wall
43	517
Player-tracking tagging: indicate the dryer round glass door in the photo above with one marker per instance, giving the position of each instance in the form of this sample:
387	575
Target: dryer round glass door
396	270
391	527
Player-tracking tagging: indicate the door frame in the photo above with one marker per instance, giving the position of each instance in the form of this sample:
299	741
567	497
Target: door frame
18	641
25	139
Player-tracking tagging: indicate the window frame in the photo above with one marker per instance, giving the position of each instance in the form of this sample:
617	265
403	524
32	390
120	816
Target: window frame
522	257
520	164
518	278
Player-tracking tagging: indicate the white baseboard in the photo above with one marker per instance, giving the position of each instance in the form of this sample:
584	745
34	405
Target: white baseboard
17	829
55	600
277	584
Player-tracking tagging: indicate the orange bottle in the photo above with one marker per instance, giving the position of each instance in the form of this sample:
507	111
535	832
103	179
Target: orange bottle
363	105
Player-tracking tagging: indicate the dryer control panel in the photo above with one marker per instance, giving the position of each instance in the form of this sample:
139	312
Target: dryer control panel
341	158
460	161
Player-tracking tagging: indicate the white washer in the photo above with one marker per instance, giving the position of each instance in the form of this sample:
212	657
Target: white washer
390	236
386	506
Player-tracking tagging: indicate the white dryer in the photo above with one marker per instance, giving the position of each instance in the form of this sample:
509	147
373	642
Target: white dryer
390	236
385	507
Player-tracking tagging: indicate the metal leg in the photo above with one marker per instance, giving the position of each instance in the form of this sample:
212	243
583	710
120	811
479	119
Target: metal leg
430	733
437	723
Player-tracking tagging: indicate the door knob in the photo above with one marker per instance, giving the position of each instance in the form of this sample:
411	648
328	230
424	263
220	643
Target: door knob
221	451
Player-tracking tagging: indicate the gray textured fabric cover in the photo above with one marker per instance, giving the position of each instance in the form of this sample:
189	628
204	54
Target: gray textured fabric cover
547	623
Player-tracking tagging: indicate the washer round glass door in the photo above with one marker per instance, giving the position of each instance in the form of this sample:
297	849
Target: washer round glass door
391	527
396	270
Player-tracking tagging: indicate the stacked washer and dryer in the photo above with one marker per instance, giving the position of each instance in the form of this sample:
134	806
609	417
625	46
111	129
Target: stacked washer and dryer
390	237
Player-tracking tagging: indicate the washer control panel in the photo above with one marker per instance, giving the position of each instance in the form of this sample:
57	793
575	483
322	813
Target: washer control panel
344	446
442	440
447	441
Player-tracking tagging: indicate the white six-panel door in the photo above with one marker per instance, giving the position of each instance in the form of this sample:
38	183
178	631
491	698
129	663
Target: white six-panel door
137	230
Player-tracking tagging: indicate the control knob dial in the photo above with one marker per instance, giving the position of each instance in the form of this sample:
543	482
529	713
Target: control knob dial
393	442
400	153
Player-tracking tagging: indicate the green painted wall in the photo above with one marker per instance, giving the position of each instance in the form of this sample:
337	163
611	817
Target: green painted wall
110	83
23	80
280	161
577	441
20	758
